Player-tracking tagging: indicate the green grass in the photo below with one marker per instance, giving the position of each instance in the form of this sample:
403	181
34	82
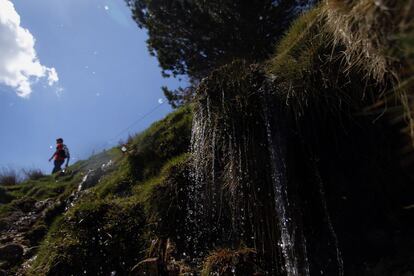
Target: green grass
95	236
143	190
296	51
120	208
41	189
147	153
5	196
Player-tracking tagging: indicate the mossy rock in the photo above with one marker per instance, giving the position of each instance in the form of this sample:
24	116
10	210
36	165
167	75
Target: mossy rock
167	202
36	233
96	236
5	197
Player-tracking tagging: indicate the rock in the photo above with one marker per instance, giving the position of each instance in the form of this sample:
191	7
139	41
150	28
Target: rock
3	225
149	267
30	252
36	233
90	179
11	252
25	204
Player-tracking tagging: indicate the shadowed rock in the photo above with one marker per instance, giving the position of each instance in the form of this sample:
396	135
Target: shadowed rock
11	252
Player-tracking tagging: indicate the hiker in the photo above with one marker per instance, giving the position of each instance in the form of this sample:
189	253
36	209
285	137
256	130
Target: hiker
61	153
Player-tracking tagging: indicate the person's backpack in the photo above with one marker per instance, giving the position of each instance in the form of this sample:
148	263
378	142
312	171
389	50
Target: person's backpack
64	152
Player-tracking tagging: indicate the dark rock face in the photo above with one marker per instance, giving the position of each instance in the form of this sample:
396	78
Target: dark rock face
11	252
310	192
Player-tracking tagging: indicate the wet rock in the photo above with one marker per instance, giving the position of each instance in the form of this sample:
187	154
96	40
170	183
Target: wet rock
11	252
3	225
90	179
36	233
30	252
106	166
50	213
149	267
4	265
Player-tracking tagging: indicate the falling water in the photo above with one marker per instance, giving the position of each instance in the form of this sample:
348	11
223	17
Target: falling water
278	173
198	176
229	140
339	259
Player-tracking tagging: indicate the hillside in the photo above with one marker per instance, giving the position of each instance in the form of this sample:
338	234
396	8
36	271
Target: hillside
100	206
298	165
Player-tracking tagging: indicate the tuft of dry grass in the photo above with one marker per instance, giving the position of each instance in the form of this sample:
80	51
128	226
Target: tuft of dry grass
379	41
9	177
371	43
33	174
231	262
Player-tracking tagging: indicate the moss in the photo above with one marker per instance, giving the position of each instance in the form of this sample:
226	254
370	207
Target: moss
117	183
5	196
36	233
106	229
164	140
96	236
147	153
101	227
166	201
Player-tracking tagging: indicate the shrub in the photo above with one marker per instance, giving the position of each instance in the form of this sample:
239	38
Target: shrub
9	177
5	197
33	174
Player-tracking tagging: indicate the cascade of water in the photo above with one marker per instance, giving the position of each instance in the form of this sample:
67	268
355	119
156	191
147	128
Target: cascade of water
194	204
202	176
329	223
278	174
230	147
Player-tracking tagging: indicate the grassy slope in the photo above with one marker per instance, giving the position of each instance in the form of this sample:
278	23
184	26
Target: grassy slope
107	230
114	220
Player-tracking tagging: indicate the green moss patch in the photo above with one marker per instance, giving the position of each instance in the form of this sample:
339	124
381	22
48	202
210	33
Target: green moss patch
94	237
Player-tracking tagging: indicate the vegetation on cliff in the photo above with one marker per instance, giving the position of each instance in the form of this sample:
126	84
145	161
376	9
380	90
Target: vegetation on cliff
300	164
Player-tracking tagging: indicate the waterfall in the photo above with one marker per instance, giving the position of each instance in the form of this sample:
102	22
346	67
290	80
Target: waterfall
239	177
340	262
277	154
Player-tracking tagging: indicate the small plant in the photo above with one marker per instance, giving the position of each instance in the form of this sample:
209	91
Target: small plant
33	174
228	262
9	177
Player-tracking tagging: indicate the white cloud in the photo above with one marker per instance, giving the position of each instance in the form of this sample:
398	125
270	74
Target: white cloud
52	76
19	65
59	91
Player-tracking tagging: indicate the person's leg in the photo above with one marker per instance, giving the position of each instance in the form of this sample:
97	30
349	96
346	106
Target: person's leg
58	164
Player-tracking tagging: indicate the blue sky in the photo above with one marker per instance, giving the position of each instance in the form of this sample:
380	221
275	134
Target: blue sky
107	80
